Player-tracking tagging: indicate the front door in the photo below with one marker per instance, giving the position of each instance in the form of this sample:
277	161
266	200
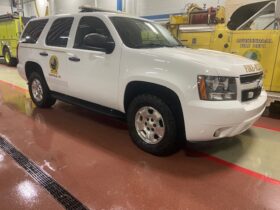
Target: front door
93	74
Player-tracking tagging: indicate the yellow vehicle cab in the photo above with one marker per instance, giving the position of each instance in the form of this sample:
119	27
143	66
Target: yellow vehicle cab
11	27
253	31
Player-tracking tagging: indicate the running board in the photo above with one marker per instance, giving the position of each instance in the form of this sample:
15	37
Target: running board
89	106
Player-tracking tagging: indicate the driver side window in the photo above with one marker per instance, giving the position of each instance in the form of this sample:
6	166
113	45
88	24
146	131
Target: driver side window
90	25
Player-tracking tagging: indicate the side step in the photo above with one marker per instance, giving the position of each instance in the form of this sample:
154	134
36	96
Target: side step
90	106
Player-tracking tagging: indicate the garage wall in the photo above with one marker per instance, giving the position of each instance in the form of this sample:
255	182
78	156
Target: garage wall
30	8
5	7
107	4
72	6
153	9
133	7
5	10
163	7
150	8
60	6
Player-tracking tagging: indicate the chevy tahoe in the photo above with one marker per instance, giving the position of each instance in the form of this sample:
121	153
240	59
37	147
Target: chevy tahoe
133	68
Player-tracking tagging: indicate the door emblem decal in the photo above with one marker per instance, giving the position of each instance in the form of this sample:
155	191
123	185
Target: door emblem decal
54	64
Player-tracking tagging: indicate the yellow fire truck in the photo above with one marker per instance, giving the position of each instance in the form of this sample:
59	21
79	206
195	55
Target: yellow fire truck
11	27
253	31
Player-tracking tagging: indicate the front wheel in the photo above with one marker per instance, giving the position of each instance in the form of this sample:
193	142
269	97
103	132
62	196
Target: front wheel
39	91
152	125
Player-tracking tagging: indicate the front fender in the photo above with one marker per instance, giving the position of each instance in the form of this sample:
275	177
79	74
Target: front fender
146	79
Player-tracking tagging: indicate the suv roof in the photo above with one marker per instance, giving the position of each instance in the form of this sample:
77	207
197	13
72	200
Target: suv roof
97	13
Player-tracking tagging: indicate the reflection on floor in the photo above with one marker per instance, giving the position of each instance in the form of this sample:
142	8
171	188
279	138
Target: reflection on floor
10	75
93	158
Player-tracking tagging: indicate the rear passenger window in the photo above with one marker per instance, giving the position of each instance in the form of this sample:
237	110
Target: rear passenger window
59	33
33	31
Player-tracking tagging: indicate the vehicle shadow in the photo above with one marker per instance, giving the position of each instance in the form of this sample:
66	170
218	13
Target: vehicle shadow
111	135
113	138
271	115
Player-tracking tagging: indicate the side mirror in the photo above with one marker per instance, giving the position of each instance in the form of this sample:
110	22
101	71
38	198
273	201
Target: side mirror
98	42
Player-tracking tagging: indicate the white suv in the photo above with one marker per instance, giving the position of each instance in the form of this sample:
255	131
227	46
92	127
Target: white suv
134	69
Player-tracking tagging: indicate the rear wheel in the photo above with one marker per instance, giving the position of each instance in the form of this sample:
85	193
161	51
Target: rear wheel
39	91
152	125
8	58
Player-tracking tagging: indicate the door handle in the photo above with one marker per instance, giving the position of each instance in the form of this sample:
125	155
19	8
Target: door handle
74	59
44	54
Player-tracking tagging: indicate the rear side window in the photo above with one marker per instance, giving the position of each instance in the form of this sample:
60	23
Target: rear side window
59	33
33	31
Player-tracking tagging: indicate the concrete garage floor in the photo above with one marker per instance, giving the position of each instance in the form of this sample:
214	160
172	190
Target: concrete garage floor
93	158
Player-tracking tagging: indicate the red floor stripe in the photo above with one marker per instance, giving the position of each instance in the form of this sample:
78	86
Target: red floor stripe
241	169
207	156
267	127
15	86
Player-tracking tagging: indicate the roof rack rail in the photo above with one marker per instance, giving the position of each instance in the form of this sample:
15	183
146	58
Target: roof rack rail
95	9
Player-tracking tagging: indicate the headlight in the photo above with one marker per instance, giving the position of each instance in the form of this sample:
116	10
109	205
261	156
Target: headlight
213	88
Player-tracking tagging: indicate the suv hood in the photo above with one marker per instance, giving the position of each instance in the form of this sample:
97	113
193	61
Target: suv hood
224	64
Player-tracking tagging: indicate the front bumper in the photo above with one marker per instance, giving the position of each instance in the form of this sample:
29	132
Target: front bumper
209	120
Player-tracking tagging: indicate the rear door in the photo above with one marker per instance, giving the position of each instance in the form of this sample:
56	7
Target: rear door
30	44
54	54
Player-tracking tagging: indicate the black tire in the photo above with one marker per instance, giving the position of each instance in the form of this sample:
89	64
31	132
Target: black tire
47	101
9	60
169	143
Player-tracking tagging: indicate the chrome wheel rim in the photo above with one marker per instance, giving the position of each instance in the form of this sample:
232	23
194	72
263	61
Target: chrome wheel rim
149	125
37	90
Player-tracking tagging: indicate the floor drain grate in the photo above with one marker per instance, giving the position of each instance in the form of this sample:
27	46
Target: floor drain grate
56	190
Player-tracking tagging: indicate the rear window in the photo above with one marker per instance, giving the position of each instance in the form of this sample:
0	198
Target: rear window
59	33
33	31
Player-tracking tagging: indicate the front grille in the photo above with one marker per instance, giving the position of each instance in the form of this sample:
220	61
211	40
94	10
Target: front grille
244	79
251	85
248	95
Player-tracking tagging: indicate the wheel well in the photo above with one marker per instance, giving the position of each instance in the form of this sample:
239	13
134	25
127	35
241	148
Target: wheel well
32	67
136	88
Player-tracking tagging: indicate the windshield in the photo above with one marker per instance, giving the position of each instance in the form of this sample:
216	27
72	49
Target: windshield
137	33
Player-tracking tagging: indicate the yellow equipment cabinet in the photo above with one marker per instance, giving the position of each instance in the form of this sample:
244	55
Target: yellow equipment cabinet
11	27
253	31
